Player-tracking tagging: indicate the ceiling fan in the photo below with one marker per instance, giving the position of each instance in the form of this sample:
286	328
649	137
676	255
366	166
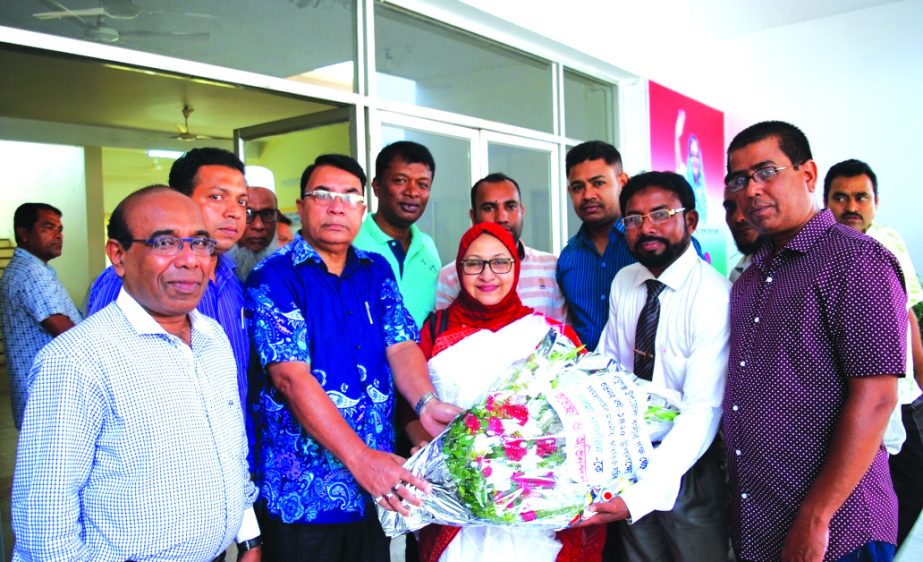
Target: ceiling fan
185	134
118	10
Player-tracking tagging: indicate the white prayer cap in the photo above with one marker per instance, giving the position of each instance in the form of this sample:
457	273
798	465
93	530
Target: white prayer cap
258	176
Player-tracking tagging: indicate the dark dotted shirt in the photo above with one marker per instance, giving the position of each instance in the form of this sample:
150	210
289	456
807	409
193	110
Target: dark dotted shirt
829	306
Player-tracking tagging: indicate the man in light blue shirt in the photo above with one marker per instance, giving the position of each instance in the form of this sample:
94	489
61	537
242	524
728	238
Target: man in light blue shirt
34	306
133	444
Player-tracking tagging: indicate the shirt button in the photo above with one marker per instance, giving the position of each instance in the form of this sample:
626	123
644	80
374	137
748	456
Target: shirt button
737	452
757	319
358	347
603	264
769	279
743	495
602	297
743	363
734	407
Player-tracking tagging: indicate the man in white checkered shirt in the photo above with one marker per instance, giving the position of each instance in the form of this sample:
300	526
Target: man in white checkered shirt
496	198
133	444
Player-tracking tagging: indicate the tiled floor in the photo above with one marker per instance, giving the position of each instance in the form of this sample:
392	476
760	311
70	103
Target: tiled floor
8	439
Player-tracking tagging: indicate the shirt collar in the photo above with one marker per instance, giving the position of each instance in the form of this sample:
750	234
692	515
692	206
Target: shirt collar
675	275
802	242
27	255
617	230
301	251
143	323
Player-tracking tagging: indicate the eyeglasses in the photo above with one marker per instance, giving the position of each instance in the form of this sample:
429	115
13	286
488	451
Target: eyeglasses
656	217
497	265
167	245
736	182
326	198
266	215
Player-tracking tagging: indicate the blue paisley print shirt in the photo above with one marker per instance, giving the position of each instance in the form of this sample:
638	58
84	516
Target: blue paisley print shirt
341	326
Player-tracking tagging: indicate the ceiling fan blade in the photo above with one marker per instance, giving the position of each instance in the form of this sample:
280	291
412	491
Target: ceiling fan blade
185	35
61	14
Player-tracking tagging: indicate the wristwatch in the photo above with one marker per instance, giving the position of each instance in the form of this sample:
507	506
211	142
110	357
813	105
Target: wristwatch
423	401
255	542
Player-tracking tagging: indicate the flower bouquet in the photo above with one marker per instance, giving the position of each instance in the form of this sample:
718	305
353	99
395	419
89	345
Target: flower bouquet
558	432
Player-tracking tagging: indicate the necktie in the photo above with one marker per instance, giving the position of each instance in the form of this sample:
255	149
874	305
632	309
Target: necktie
647	330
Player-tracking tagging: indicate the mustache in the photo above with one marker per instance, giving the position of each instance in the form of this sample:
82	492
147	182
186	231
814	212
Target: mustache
851	214
649	238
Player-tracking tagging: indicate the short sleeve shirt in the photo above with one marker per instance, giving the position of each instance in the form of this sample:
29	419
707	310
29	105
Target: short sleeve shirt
30	292
341	327
829	306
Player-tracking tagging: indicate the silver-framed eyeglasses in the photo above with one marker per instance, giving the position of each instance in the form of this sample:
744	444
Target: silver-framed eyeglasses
740	180
167	245
326	198
266	215
497	265
657	217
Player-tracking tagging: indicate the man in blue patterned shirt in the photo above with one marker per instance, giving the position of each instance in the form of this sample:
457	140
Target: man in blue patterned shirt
331	329
34	306
133	444
214	179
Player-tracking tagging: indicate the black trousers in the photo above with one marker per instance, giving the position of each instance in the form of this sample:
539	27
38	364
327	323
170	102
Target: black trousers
339	542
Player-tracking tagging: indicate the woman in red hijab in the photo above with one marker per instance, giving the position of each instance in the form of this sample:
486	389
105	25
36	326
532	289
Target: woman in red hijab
468	345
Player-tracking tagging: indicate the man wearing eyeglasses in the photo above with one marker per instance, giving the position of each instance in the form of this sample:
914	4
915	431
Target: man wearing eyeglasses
334	338
404	173
668	323
851	193
133	444
818	341
214	179
259	238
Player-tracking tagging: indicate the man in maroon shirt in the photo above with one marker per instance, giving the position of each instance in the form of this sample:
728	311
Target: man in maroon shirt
817	343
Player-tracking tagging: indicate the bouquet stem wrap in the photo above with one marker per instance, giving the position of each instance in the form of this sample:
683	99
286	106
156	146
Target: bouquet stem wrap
558	432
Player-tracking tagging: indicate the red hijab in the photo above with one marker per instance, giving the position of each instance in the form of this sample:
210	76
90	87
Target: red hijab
465	311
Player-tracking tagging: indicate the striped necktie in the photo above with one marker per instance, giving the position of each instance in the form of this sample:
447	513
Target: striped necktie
647	330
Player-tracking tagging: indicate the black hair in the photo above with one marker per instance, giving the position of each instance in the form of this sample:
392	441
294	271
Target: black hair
284	219
341	161
408	151
495	177
792	141
26	215
849	169
592	150
118	228
665	180
184	170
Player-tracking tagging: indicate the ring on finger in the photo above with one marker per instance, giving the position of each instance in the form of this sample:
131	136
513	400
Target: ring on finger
396	486
377	499
388	496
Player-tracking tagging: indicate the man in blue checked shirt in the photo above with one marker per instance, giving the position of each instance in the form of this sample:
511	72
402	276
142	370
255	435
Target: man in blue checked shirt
133	443
331	328
214	179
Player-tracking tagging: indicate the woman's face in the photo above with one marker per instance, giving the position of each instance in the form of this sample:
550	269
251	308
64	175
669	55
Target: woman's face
487	287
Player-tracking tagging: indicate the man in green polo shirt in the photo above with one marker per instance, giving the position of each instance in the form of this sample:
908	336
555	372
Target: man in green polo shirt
404	173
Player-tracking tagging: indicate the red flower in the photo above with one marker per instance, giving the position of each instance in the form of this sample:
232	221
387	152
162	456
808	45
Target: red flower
494	426
514	449
472	423
519	412
528	516
546	447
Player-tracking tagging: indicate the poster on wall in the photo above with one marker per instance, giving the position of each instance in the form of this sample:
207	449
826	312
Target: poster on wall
687	137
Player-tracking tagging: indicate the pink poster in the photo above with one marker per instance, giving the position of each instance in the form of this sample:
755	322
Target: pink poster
687	137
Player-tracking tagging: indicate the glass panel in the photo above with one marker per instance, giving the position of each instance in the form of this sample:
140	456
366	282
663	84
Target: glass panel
422	63
446	217
531	169
588	108
306	40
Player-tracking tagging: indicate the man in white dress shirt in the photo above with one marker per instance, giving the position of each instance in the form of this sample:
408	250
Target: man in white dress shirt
668	322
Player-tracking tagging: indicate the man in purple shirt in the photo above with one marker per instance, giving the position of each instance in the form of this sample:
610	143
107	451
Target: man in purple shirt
817	343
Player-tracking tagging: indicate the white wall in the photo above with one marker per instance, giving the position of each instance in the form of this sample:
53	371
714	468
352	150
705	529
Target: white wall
852	81
53	174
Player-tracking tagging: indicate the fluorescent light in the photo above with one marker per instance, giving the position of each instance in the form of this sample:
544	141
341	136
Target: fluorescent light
159	153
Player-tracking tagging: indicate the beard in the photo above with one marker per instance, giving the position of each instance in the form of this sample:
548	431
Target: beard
662	260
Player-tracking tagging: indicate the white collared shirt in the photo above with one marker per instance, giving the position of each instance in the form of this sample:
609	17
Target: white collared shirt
691	354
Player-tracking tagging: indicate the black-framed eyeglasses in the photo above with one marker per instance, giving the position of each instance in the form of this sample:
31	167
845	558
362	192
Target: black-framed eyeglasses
266	215
657	217
740	180
497	265
167	245
326	198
